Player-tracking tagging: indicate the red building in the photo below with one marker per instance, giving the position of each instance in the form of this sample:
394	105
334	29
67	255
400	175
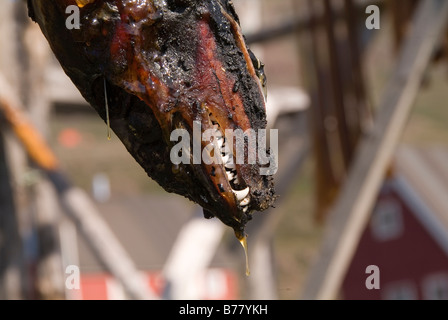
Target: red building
407	235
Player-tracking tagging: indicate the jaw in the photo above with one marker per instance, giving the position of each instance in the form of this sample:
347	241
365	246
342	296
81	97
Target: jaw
166	68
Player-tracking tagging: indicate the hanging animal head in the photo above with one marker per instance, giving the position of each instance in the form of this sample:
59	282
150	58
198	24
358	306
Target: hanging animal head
170	65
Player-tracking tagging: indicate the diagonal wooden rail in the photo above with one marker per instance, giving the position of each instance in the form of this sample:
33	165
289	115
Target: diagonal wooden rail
77	204
351	212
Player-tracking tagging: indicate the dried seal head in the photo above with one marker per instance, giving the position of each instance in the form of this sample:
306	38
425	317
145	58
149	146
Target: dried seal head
166	64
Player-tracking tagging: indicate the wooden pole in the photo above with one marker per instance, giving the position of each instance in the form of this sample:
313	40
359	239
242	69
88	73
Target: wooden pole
44	212
338	103
351	212
10	243
15	282
328	176
357	83
101	239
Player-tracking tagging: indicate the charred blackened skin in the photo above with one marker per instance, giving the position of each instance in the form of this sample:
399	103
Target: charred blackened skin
166	64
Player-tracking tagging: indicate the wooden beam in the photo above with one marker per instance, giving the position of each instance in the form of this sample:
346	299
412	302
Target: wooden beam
76	203
15	282
11	266
351	212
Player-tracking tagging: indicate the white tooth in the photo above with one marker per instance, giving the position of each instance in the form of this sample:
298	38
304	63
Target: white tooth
230	175
245	209
245	202
230	165
219	143
241	194
225	149
225	159
236	180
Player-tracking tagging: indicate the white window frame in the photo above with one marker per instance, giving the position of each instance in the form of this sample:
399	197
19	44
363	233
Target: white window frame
402	290
387	220
435	286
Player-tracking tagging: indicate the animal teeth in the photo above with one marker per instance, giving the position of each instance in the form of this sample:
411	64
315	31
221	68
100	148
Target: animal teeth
230	165
224	153
245	202
225	158
230	175
219	142
245	209
241	194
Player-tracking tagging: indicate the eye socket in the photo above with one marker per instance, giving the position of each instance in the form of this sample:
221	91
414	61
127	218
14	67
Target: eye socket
178	6
259	71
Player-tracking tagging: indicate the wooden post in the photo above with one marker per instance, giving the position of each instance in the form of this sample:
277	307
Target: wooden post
44	212
351	212
78	206
15	283
338	103
10	241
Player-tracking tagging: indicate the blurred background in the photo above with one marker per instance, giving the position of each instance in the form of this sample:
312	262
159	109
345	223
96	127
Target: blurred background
342	82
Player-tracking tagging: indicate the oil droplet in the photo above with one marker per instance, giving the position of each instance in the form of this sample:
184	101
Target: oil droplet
175	168
243	241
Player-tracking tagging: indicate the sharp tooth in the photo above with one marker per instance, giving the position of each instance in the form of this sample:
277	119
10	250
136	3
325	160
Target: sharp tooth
219	143
230	176
245	209
241	194
225	159
236	180
230	165
245	202
225	148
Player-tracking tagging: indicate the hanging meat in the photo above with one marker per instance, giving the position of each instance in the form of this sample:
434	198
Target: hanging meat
150	67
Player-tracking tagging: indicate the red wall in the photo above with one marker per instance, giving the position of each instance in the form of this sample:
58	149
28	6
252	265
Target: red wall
407	258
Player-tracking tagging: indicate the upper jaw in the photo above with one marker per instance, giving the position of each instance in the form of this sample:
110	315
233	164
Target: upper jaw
228	194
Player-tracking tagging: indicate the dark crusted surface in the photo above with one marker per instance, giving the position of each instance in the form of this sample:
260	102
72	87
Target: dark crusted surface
165	66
